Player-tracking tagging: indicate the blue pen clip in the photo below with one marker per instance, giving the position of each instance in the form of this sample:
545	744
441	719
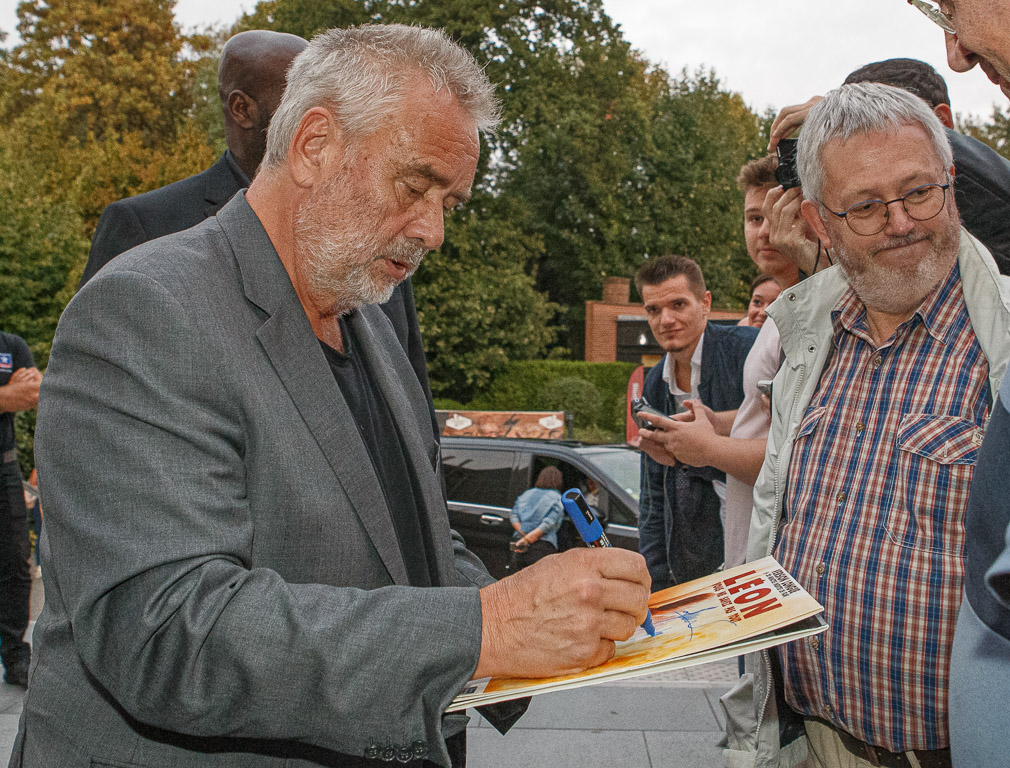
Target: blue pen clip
592	533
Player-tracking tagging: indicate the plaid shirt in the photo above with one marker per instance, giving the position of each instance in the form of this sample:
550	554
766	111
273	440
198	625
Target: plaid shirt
877	488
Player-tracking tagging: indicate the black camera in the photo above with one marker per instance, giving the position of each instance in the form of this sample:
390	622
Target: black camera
786	173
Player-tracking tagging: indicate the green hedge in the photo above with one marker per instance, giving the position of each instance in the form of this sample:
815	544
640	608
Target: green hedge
524	385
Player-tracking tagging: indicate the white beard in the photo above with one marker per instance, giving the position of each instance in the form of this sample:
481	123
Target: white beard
342	260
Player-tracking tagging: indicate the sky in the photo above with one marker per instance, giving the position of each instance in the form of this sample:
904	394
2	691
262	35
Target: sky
774	52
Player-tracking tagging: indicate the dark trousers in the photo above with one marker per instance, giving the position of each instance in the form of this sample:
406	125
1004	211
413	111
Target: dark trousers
15	579
538	550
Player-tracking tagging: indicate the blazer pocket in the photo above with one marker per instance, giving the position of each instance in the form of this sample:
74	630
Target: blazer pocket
936	458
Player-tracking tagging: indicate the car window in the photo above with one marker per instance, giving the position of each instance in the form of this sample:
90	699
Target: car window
474	476
623	467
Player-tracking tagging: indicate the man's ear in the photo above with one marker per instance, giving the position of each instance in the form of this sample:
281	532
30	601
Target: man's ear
242	109
706	301
942	111
813	218
317	143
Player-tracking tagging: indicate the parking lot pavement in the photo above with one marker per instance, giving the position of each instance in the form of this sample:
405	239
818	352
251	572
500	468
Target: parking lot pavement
671	719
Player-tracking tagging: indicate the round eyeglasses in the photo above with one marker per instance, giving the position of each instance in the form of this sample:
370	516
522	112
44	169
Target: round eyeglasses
871	216
944	21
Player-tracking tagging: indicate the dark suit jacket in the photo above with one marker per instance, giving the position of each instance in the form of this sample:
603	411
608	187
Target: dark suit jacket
982	191
127	223
223	581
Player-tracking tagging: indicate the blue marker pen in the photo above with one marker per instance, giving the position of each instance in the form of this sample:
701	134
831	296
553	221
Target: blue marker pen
592	533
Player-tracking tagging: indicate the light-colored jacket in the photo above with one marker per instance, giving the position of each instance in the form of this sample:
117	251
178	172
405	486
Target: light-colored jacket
803	316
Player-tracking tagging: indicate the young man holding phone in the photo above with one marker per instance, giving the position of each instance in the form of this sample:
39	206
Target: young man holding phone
680	526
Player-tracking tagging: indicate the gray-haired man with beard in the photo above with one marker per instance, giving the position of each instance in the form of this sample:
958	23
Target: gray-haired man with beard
254	566
892	359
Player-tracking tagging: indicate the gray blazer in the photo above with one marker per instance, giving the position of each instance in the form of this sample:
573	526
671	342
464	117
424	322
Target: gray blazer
223	582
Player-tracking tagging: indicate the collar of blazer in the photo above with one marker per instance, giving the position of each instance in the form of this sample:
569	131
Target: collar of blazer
222	181
294	352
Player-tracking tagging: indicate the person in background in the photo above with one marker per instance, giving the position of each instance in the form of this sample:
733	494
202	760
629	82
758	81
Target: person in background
250	84
763	291
780	245
19	391
536	517
681	506
982	184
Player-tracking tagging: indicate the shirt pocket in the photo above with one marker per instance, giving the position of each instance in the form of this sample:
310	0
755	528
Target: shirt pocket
809	423
936	461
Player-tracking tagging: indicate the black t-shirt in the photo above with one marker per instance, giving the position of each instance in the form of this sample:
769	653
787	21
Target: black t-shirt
382	440
14	354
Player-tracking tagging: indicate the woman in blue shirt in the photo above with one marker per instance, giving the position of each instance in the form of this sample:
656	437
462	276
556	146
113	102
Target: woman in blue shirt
536	517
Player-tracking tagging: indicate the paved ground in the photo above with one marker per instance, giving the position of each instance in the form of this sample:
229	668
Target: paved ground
671	720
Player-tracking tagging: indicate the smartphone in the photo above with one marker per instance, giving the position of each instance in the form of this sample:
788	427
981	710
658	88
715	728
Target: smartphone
641	411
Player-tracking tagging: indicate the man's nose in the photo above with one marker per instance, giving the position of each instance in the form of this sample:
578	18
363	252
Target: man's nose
428	226
959	58
898	220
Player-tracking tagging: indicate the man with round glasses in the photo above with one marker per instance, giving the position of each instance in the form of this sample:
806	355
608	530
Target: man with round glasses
891	360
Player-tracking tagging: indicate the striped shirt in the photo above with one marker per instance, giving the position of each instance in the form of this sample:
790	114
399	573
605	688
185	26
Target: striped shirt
874	519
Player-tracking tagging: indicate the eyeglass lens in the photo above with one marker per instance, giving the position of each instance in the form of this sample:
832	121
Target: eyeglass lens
921	203
934	14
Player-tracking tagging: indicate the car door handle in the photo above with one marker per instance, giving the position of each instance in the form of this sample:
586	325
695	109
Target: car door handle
489	519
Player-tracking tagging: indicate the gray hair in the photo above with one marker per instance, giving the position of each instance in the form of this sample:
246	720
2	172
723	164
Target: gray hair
861	108
362	73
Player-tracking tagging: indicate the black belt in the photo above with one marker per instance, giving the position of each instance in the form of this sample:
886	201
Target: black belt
927	758
8	456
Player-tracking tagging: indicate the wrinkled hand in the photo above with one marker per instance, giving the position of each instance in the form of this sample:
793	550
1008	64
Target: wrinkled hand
562	614
788	120
788	231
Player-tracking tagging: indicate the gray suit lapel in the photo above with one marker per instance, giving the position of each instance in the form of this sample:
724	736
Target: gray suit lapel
408	404
295	354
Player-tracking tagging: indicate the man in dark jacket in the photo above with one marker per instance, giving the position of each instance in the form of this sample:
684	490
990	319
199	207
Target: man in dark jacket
251	80
680	526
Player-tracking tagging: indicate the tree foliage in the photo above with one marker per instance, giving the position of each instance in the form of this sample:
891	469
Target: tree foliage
602	161
101	94
612	160
40	244
995	132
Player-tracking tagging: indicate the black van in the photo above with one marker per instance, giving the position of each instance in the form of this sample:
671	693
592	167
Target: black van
485	475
